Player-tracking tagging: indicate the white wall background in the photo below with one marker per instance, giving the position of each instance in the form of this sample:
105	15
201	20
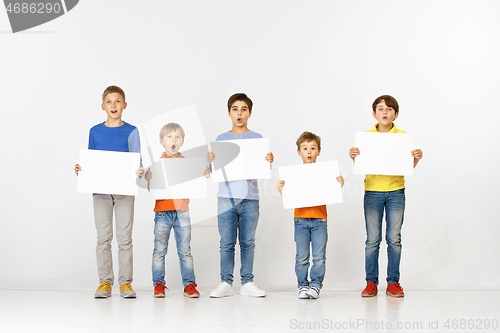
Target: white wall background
308	65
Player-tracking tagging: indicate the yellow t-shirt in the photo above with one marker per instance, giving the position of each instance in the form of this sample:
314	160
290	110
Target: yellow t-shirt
383	183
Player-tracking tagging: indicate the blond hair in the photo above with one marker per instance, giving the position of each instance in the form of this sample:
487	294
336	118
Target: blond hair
171	127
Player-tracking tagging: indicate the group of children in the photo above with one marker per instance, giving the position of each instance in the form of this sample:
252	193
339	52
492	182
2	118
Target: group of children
238	211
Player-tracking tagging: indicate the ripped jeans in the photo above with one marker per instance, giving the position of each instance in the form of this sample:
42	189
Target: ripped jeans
180	222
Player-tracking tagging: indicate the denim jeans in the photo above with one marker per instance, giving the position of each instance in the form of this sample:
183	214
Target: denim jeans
310	233
374	204
237	218
180	222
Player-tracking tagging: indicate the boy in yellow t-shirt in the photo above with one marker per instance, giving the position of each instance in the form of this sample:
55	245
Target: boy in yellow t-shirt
310	228
384	192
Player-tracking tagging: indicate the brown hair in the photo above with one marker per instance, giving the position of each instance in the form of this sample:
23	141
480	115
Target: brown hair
113	89
239	97
308	137
169	128
389	101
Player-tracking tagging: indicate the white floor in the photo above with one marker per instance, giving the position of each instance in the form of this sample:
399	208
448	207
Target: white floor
280	311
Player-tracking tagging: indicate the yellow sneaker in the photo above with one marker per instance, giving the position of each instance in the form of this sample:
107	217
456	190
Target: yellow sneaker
103	291
126	291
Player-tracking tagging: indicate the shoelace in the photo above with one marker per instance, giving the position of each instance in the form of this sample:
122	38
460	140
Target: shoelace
191	288
104	286
126	287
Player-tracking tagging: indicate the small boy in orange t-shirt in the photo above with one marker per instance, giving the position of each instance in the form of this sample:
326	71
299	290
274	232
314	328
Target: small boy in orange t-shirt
172	213
310	228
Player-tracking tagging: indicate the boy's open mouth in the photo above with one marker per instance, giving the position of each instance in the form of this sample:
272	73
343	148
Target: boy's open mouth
173	147
239	120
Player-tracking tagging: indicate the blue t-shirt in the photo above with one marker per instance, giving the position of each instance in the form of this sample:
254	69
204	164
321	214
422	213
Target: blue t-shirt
124	138
239	189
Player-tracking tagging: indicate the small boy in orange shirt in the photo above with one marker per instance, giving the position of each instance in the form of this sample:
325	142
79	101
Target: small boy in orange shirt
310	228
172	213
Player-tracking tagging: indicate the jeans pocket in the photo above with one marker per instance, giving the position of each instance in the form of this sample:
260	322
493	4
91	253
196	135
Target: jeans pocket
183	214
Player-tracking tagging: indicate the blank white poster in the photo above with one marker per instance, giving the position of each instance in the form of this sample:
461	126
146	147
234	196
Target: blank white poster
312	184
187	118
384	153
108	172
178	178
247	163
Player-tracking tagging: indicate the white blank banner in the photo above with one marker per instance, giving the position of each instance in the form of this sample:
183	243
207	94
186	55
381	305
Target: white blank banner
312	184
384	154
178	178
108	172
250	162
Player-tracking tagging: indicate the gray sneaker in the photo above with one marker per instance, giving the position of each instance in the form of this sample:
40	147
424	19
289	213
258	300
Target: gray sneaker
103	291
126	291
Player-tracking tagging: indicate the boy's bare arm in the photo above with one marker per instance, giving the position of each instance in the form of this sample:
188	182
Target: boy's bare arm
148	176
78	168
417	156
353	152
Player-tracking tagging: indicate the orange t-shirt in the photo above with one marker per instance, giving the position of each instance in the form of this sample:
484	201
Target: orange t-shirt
171	204
316	212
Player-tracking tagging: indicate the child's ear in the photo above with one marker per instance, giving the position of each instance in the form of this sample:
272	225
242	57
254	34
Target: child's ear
396	115
124	106
374	115
319	151
102	107
298	152
161	141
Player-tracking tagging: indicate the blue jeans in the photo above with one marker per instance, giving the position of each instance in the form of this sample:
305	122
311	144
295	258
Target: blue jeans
164	222
237	218
310	233
374	203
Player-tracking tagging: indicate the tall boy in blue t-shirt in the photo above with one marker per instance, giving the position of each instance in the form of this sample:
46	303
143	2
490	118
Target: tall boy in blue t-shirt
114	135
238	209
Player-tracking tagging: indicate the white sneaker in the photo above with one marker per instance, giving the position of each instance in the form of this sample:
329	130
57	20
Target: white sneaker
313	292
250	289
223	290
303	293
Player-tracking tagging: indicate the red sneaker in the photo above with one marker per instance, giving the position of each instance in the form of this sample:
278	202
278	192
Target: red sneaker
395	290
190	291
160	290
370	290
